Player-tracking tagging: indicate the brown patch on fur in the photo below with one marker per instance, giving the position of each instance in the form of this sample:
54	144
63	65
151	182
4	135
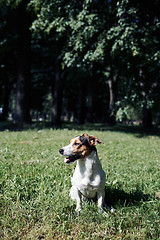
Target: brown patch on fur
81	149
72	140
93	141
84	149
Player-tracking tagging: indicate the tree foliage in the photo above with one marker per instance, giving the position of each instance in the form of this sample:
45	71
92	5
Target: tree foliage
105	54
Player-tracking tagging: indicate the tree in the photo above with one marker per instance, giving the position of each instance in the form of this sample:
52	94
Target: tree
17	44
57	95
88	46
92	57
135	36
7	65
22	25
103	35
50	21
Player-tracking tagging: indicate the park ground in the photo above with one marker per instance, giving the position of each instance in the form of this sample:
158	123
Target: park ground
35	184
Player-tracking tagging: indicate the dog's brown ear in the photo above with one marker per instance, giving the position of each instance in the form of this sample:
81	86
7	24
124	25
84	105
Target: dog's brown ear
93	141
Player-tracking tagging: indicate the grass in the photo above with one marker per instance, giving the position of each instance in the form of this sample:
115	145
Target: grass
35	184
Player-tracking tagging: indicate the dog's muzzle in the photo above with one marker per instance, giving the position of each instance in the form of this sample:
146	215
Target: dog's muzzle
61	151
70	158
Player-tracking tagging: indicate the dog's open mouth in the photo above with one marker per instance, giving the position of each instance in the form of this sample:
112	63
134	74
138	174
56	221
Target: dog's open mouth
71	159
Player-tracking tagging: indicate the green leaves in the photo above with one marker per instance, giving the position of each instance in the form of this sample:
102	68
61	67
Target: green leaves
93	36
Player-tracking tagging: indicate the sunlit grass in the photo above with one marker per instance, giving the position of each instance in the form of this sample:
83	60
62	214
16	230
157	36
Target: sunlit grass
35	183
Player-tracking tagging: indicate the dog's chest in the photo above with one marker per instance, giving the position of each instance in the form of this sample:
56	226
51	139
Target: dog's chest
89	176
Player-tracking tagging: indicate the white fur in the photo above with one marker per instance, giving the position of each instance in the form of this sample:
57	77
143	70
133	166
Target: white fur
88	180
68	150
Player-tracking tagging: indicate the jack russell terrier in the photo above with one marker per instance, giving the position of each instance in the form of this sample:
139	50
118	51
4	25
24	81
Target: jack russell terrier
89	179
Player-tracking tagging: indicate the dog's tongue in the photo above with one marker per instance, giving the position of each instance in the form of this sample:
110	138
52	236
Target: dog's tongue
71	159
66	160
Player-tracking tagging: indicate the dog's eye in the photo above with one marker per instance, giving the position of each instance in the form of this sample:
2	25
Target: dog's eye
76	143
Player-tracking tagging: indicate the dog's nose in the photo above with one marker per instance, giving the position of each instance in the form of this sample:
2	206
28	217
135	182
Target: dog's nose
61	151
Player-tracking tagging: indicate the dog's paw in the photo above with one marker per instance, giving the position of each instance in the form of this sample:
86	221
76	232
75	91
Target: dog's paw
101	211
112	210
77	213
108	208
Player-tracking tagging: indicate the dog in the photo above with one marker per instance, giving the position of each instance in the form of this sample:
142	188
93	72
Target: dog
89	178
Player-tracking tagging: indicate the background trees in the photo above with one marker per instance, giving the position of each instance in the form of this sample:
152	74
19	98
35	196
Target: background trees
88	61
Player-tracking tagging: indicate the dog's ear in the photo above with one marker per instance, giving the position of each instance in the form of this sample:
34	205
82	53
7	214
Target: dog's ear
84	139
93	141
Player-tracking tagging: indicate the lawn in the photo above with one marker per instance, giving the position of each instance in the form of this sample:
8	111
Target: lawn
35	184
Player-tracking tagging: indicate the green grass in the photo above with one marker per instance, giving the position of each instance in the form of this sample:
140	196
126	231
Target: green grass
35	184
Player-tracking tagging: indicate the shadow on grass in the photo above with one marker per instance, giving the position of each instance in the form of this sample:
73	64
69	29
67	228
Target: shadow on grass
120	197
138	131
115	198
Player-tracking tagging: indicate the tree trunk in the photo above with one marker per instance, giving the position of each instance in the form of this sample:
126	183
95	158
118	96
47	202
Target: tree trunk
145	91
147	117
90	105
7	91
112	84
81	107
111	117
90	92
57	96
22	107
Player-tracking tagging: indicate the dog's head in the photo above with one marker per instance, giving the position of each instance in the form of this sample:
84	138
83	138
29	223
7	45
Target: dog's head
79	147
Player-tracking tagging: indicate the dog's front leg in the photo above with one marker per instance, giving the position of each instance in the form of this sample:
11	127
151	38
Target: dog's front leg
79	201
101	203
100	197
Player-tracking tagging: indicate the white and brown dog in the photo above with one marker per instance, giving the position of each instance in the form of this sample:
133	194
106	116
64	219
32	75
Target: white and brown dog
89	179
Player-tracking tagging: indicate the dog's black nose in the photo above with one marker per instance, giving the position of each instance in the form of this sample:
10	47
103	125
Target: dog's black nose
61	151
